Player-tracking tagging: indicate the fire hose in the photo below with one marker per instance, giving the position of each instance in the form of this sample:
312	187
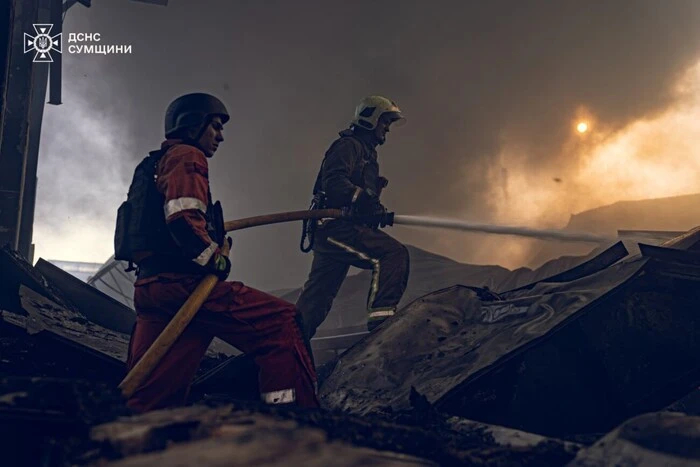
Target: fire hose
187	312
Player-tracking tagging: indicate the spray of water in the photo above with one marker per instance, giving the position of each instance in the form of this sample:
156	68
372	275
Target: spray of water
553	234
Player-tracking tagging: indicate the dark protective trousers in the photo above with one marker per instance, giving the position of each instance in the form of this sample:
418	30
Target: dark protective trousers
252	321
339	245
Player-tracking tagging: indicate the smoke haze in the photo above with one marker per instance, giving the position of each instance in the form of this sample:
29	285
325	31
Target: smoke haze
493	92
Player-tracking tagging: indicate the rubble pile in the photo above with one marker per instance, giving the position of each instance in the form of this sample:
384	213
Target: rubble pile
47	421
647	440
559	358
379	440
591	363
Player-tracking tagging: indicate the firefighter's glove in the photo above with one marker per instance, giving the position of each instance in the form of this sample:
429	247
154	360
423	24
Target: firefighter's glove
220	265
376	216
367	210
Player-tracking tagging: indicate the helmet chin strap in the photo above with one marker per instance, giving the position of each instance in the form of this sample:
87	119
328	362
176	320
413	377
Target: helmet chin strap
203	128
195	141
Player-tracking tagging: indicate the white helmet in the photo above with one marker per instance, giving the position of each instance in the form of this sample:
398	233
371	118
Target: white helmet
371	108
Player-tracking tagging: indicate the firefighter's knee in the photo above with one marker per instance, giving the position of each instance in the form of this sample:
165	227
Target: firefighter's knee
399	256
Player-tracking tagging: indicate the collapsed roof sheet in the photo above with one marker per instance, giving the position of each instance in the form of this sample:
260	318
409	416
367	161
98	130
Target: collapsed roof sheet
444	338
553	358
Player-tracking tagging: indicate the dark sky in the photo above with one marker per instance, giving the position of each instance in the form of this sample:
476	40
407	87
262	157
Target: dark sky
466	73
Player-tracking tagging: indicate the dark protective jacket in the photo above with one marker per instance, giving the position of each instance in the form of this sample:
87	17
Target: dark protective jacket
349	170
349	167
193	221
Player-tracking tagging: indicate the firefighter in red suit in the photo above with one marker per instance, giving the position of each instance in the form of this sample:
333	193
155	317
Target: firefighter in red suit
254	322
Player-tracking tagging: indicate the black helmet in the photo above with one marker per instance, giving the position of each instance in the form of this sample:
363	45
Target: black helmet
193	110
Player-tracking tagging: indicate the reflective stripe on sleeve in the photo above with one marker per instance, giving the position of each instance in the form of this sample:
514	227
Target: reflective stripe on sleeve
206	255
182	204
356	195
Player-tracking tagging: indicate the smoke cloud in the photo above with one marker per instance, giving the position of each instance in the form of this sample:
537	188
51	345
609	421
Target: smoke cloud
492	91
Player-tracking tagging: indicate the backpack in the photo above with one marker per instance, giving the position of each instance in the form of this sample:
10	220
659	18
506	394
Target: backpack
141	228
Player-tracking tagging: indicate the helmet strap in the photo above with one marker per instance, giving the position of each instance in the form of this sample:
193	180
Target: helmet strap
194	140
203	128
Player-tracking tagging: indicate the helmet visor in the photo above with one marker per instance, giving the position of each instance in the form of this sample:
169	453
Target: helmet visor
395	118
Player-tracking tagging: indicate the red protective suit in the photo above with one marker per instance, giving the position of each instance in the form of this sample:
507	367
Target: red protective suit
254	322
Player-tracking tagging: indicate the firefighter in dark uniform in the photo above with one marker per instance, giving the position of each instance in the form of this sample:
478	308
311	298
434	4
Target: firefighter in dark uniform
171	229
349	178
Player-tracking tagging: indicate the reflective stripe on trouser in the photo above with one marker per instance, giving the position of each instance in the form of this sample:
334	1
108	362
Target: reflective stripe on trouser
285	396
375	313
257	323
381	314
338	246
376	267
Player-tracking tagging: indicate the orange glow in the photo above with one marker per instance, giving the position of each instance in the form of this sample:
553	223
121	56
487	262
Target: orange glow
652	157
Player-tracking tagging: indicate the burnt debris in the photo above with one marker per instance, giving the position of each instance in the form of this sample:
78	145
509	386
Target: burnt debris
551	368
